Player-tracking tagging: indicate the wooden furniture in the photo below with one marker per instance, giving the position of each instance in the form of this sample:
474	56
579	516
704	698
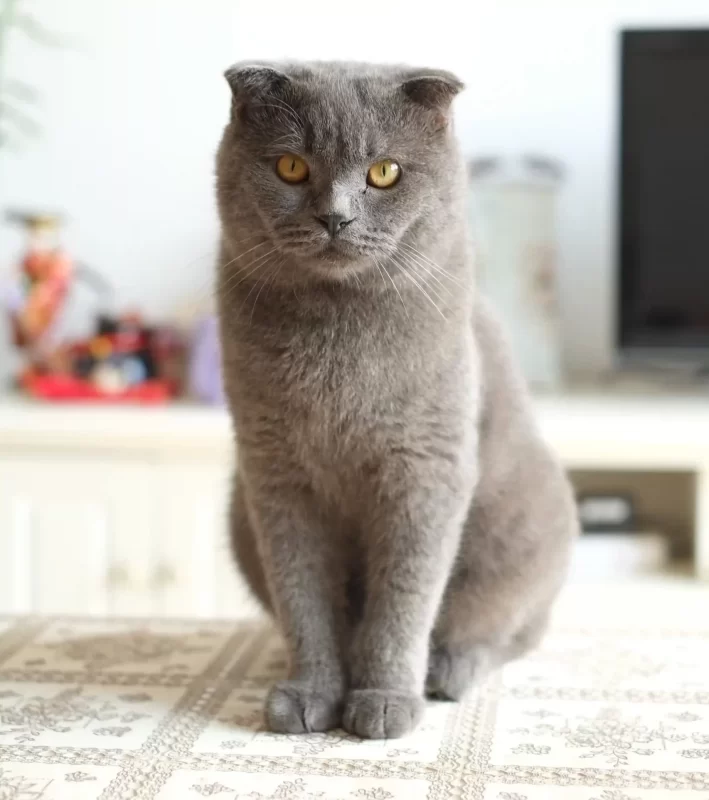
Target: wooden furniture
116	511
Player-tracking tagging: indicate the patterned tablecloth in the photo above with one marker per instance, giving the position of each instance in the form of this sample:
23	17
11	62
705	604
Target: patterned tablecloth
614	707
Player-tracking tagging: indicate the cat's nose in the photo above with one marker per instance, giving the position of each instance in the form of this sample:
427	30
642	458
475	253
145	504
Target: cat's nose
333	222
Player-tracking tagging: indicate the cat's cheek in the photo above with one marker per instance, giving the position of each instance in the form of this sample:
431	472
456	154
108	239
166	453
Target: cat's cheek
280	202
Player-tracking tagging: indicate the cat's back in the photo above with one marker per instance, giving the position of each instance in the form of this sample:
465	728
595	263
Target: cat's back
515	461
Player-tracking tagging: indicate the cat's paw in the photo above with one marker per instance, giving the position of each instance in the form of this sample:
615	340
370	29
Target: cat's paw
451	675
299	707
382	714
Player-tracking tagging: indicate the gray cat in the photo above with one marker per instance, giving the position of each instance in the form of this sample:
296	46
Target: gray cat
394	506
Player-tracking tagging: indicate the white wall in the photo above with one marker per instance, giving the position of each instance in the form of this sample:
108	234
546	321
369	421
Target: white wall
133	112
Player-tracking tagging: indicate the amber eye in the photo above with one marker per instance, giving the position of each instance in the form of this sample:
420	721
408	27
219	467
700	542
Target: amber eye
292	169
384	174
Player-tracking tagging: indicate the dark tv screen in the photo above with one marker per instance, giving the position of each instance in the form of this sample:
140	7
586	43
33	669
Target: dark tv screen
664	190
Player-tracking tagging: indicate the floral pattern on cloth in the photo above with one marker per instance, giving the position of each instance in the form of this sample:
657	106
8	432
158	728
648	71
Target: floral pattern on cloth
607	736
91	647
297	788
52	782
587	793
161	710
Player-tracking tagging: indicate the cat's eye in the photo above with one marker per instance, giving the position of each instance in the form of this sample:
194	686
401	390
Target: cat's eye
384	174
292	168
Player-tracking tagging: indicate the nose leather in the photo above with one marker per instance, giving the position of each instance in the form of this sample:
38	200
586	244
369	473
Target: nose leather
333	222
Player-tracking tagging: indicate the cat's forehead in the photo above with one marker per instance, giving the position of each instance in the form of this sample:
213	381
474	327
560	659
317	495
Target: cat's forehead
346	115
342	112
336	128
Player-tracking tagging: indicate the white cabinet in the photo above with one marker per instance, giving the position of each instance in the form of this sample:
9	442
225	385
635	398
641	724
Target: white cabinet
58	520
123	511
116	512
194	573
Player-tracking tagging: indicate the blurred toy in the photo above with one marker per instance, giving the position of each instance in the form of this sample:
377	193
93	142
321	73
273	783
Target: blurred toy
205	363
125	361
40	293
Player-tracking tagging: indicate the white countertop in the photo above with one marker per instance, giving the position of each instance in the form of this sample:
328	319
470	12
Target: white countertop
671	431
25	423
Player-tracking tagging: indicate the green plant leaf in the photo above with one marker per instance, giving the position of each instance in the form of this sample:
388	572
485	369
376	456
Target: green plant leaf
19	119
36	31
9	142
22	91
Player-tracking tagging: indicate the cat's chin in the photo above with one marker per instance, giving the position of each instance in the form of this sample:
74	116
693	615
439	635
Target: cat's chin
336	271
336	260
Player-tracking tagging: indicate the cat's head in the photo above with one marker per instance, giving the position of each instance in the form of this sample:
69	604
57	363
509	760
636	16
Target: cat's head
333	164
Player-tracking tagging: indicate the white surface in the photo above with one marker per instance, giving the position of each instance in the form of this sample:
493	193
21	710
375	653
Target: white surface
515	231
123	510
619	556
83	533
116	511
588	430
132	114
609	431
114	428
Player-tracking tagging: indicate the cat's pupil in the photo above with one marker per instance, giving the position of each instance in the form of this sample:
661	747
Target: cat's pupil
292	165
384	170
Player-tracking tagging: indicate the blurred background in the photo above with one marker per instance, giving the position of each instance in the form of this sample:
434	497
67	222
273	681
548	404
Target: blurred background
585	126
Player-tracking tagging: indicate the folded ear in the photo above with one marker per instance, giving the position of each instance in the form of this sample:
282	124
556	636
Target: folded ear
254	80
433	89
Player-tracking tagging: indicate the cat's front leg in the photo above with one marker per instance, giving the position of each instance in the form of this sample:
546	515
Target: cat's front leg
305	580
412	539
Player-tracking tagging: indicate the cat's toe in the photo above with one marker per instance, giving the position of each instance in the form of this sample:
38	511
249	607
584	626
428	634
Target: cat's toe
293	707
451	675
382	714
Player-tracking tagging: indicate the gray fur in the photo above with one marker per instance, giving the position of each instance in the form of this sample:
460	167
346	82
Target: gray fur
394	506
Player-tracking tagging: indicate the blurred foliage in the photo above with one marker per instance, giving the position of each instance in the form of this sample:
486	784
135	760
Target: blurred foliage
18	99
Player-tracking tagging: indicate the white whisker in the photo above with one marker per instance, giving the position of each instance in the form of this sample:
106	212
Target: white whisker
267	279
381	274
230	278
253	267
424	276
289	107
433	265
419	266
245	253
396	288
275	275
256	269
290	111
413	280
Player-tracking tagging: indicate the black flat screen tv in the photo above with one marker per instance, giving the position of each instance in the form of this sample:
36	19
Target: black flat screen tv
663	247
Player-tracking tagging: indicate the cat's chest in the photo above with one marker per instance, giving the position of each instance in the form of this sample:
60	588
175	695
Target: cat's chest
328	387
328	376
330	391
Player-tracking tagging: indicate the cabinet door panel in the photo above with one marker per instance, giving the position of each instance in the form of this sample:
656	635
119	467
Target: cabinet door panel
66	526
196	574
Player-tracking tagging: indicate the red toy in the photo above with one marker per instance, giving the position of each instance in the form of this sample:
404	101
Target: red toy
46	273
68	388
125	362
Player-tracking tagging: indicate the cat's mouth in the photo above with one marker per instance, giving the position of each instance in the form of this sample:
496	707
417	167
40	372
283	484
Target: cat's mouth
338	250
338	259
332	256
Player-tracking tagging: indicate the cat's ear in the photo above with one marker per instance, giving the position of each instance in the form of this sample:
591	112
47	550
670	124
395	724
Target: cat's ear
253	80
434	90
